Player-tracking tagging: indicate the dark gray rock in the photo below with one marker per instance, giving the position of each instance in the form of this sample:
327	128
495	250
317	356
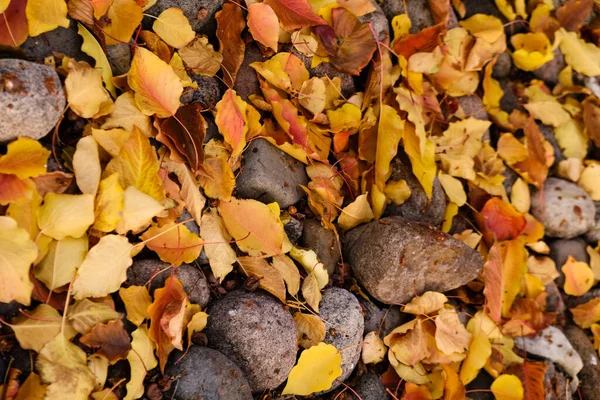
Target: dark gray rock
589	376
256	332
479	388
473	107
561	249
31	99
556	384
59	40
293	229
9	310
418	11
593	235
382	321
246	81
208	93
509	100
555	303
200	13
548	133
503	66
204	373
191	277
2	367
510	177
268	174
487	7
378	21
344	324
549	71
369	387
565	209
119	57
418	207
323	242
395	259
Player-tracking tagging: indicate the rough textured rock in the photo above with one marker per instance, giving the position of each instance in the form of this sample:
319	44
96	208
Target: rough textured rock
207	374
191	277
323	242
417	10
268	174
561	249
200	13
382	321
293	229
378	21
60	40
9	310
503	66
565	209
369	387
119	57
549	136
593	235
472	106
255	331
556	384
589	376
344	324
208	93
246	81
31	99
418	207
510	177
549	71
395	259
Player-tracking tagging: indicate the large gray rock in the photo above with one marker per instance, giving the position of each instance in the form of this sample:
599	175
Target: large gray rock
256	332
323	241
60	40
561	249
369	387
246	81
31	99
589	376
206	374
418	207
157	272
593	235
565	209
119	57
268	174
472	106
382	321
395	259
344	324
378	21
200	13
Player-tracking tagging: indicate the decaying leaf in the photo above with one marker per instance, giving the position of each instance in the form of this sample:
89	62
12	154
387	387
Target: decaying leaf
111	339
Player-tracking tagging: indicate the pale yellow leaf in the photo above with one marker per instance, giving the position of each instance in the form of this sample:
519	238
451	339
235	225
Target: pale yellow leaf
450	334
543	268
64	215
174	28
311	291
356	213
426	303
85	94
196	324
201	57
141	359
99	367
288	271
190	192
311	329
38	327
138	211
454	189
86	314
126	115
17	252
520	197
111	140
136	300
373	349
123	17
397	191
86	164
315	371
582	56
572	139
545	107
219	252
109	204
590	180
309	260
60	264
92	48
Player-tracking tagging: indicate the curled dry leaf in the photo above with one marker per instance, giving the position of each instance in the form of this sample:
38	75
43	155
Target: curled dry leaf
268	277
184	134
294	14
427	303
311	291
111	340
288	271
311	329
230	24
201	58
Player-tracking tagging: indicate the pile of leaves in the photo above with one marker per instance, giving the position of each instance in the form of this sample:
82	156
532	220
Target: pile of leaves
67	239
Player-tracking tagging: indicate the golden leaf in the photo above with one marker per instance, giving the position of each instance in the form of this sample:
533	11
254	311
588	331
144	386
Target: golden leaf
315	371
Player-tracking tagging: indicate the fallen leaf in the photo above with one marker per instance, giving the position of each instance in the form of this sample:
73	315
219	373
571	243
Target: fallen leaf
109	204
454	189
193	198
579	277
408	343
37	327
136	300
571	15
311	329
478	354
532	375
288	271
14	28
450	334
230	24
315	371
85	314
415	392
32	388
586	314
86	165
219	252
310	262
390	130
138	211
141	360
311	291
174	243
501	220
111	339
532	50
268	277
295	14
582	56
124	16
356	213
60	264
543	268
201	58
46	15
174	28
373	349
85	94
92	48
453	387
427	303
216	178
263	24
232	121
507	387
126	115
64	215
25	158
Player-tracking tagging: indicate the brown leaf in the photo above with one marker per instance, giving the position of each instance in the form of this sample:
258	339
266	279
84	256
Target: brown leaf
268	277
591	119
81	10
534	166
55	182
111	339
440	10
230	24
492	277
156	45
294	14
186	131
573	13
527	319
531	374
424	41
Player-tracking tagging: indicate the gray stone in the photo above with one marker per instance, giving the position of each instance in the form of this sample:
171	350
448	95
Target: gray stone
204	373
418	207
593	235
293	229
246	81
561	249
503	66
509	100
369	387
208	93
9	310
565	209
473	107
487	7
323	241
119	57
268	174
60	40
418	11
555	303
548	133
589	376
192	278
479	388
256	332
200	13
395	259
382	321
549	71
556	384
31	99
344	324
510	177
378	21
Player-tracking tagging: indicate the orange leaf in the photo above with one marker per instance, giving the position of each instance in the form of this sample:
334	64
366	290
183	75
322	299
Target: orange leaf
500	220
424	41
415	392
268	277
263	24
173	243
514	267
531	374
453	387
124	16
13	188
579	277
232	121
587	314
216	178
167	319
111	339
230	24
14	28
186	131
527	318
492	277
534	168
294	14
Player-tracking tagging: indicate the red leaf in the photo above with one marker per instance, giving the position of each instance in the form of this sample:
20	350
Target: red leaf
14	28
111	338
295	14
424	41
357	42
500	219
492	277
230	24
185	134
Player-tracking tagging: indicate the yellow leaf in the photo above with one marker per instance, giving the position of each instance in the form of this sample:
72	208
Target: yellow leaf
356	213
284	71
201	57
268	277
449	214
86	314
174	28
46	15
4	5
454	189
92	48
594	262
177	64
174	244
311	329
138	211
520	197
124	17
100	7
514	267
63	365
157	87
219	252
196	324
542	268
450	334
85	94
111	140
313	95
423	166
104	268
483	26
141	359
32	388
414	374
532	50
479	352
194	200
39	327
25	158
397	191
257	230
344	118
373	349
263	24
579	277
126	115
586	314
288	271
311	291
137	165
61	262
136	300
507	387
572	139
310	262
545	107
86	164
582	56
232	120
315	371
590	180
389	133
109	204
426	303
64	215
216	178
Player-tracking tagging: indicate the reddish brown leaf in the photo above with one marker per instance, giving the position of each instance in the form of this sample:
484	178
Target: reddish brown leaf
535	165
295	14
424	41
111	339
440	10
14	28
531	374
500	220
55	182
13	188
492	277
591	119
81	10
527	319
42	294
230	24
573	13
186	131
